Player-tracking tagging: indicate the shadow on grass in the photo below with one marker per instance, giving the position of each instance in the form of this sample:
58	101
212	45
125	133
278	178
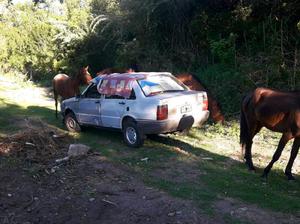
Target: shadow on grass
223	177
13	116
219	176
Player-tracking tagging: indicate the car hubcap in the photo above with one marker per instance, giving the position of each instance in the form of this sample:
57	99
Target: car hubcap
71	123
131	135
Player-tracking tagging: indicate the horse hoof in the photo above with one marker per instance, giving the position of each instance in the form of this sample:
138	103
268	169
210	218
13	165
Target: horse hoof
250	166
264	179
291	178
264	176
252	170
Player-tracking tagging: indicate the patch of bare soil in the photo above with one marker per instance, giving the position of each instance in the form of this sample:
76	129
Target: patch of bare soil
36	189
252	213
178	171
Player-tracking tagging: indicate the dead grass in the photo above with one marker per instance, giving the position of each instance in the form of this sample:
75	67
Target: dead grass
36	143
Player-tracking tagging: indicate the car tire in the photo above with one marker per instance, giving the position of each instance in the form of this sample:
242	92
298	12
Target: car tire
71	123
132	135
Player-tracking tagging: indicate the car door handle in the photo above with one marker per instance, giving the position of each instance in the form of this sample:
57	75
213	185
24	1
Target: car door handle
122	103
97	101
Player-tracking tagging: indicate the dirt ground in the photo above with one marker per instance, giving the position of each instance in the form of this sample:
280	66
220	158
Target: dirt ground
91	189
36	189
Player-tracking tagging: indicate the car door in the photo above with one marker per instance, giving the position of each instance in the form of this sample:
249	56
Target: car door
112	109
89	106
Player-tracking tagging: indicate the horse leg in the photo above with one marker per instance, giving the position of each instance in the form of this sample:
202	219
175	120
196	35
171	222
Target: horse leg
55	95
76	91
248	155
248	146
56	107
249	127
284	139
294	152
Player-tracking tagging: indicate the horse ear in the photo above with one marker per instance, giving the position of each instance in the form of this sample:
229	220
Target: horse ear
87	67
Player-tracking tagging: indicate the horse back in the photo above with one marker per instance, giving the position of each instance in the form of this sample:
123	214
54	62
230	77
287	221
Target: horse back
63	86
61	77
108	71
272	101
276	110
190	81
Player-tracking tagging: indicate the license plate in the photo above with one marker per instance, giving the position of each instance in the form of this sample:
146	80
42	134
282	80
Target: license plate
186	108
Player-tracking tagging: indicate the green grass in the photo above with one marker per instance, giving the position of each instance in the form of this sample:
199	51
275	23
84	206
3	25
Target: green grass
209	152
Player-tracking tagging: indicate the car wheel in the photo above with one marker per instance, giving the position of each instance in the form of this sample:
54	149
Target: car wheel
71	123
132	135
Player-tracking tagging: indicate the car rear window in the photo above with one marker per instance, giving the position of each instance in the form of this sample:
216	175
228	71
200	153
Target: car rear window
153	85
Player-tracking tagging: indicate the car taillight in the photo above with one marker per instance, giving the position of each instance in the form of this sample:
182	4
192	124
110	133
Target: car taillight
205	103
162	112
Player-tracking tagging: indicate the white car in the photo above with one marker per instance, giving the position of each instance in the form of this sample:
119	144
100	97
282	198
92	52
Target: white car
138	104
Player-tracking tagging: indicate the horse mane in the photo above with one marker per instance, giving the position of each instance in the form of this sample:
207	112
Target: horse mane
198	80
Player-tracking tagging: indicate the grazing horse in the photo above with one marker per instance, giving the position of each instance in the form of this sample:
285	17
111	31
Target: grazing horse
194	84
277	111
67	87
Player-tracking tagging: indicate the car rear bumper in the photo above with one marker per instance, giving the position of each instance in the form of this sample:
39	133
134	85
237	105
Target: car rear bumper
167	126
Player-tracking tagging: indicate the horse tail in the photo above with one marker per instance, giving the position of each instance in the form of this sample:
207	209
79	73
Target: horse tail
55	95
244	127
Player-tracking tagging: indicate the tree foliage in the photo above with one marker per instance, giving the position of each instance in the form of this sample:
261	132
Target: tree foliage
237	43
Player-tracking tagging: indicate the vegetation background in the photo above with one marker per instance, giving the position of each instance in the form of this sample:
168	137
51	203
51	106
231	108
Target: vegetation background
231	45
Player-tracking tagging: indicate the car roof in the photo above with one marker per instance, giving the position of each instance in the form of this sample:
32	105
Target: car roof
135	75
132	76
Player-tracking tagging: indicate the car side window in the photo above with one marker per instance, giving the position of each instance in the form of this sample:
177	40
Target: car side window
132	95
92	92
114	97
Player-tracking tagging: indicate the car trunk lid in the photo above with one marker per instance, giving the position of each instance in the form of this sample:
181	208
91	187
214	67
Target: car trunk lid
182	103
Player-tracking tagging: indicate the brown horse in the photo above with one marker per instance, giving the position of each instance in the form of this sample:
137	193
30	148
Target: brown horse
67	87
194	84
277	111
108	71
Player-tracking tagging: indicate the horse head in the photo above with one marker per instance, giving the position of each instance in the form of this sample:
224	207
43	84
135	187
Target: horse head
195	84
84	76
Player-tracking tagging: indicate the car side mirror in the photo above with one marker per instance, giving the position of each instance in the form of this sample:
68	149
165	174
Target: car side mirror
78	96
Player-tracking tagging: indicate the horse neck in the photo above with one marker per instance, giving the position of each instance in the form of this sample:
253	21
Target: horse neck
75	81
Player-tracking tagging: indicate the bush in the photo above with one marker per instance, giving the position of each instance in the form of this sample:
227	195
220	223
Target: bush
226	84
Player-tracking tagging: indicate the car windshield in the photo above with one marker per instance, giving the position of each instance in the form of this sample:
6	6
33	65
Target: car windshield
153	85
